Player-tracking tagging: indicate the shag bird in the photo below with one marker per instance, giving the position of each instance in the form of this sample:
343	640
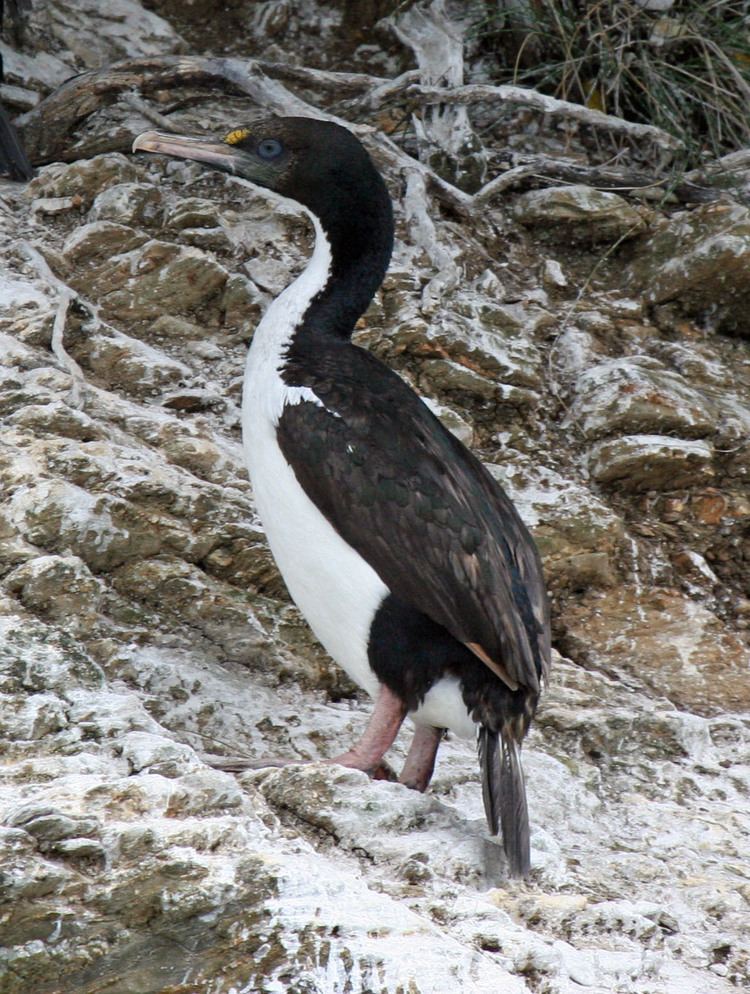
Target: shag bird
407	559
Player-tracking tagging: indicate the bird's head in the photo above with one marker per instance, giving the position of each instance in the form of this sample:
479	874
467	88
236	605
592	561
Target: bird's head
317	163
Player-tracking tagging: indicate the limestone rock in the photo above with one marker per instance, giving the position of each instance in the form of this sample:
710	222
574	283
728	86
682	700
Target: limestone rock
59	587
100	529
491	341
578	536
86	178
578	213
100	240
208	791
55	205
15	354
699	261
453	421
214	608
31	717
192	212
40	71
169	327
637	394
446	376
137	368
157	754
553	276
140	285
244	559
127	203
98	35
242	303
210	239
202	457
56	418
701	667
652	462
194	400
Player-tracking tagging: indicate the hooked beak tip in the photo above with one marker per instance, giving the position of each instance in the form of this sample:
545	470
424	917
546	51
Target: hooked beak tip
145	142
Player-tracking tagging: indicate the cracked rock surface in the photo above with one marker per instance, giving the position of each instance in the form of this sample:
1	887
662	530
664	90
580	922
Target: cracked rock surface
144	627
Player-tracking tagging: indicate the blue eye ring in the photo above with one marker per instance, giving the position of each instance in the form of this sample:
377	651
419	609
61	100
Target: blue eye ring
270	148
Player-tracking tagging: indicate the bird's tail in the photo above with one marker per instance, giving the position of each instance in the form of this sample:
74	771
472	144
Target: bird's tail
504	795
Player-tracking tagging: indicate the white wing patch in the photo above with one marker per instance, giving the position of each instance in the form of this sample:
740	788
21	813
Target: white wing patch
298	395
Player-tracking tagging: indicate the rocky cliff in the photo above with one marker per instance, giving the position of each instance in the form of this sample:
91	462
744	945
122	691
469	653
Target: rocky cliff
592	346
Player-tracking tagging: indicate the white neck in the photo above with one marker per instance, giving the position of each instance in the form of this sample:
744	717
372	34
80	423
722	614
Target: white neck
265	393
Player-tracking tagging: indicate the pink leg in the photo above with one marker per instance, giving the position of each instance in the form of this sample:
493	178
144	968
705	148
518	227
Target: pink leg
420	762
367	755
382	729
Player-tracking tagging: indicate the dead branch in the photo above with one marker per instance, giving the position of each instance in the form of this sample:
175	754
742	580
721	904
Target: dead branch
640	184
340	83
66	295
46	129
386	89
518	95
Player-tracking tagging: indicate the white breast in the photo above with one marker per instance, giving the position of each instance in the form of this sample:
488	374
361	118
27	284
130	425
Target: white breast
331	584
336	590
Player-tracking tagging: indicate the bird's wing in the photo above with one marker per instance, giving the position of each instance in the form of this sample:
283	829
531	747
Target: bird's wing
423	511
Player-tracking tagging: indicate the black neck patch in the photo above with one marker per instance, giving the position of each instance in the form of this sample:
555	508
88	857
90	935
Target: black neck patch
338	182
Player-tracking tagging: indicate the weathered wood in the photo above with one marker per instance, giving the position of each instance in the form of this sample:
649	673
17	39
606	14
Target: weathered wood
49	127
521	96
539	170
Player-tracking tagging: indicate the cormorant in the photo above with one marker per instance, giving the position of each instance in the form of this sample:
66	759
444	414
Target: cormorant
406	557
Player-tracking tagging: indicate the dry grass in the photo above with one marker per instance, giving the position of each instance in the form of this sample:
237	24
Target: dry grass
685	69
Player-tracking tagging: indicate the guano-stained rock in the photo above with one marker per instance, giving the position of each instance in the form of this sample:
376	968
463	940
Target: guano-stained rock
632	395
578	213
700	667
699	260
143	283
100	240
652	462
86	178
99	33
144	626
126	203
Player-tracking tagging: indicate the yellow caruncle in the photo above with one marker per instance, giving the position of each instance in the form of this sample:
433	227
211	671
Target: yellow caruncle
236	136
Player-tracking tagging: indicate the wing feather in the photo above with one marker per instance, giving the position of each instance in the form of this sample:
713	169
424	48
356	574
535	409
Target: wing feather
423	511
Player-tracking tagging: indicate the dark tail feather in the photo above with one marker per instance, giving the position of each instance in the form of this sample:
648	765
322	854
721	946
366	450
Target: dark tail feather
504	796
13	159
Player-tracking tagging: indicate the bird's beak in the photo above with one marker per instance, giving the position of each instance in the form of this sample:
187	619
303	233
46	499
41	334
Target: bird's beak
213	153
